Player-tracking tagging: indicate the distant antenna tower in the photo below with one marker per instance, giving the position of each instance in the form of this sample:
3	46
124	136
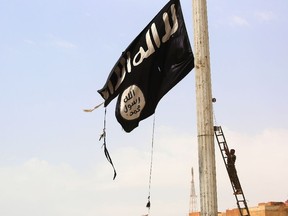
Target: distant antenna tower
193	197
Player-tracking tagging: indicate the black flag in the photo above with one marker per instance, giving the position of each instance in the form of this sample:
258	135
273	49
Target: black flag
156	60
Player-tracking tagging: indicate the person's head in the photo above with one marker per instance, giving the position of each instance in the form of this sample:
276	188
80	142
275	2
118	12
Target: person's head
232	151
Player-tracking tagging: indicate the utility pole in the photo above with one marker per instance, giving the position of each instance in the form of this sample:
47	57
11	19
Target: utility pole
205	132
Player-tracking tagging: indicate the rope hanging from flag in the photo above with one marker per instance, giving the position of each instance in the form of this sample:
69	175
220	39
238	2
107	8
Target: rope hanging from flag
148	205
106	152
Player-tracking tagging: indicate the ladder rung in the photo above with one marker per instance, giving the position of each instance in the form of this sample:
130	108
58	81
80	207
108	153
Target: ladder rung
243	200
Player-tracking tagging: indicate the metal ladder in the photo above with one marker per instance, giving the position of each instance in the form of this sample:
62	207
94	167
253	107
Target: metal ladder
240	198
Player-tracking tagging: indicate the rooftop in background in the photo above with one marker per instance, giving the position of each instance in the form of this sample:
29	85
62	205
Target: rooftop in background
263	209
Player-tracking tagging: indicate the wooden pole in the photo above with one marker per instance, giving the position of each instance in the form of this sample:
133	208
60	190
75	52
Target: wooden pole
205	133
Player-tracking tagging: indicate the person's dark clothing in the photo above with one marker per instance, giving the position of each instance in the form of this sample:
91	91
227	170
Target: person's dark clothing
231	158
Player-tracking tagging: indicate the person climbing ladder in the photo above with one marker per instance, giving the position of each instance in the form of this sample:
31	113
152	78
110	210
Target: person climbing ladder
232	172
229	159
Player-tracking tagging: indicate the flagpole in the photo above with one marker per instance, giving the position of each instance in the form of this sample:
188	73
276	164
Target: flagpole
205	133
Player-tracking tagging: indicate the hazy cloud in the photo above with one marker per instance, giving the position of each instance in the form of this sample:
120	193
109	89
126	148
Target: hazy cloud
61	43
239	21
65	44
265	16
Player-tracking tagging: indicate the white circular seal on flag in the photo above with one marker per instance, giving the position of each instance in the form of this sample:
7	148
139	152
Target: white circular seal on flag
132	103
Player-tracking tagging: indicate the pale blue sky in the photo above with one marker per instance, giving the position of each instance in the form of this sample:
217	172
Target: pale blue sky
55	55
